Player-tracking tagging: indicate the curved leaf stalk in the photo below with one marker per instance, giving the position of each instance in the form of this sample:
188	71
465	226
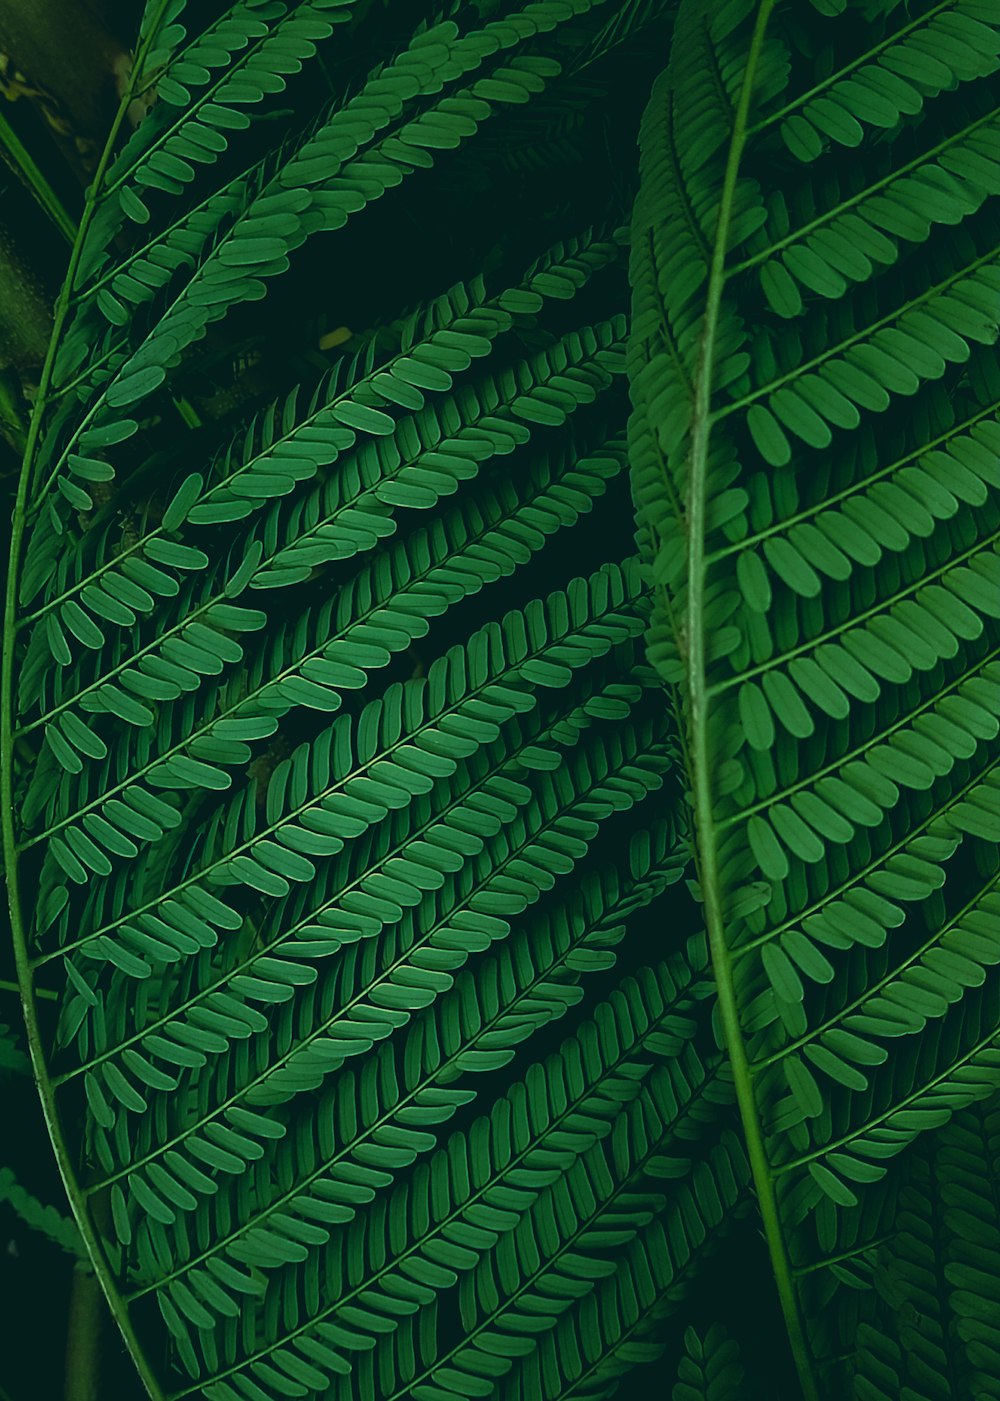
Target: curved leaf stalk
700	756
92	1240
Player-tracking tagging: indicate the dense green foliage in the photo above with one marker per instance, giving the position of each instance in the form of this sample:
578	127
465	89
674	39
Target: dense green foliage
816	451
392	712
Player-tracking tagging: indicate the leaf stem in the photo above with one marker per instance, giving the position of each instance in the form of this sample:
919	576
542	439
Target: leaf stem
700	753
20	159
46	1092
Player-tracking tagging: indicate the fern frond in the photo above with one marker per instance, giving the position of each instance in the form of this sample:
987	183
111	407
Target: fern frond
255	47
46	1220
541	1276
344	165
592	1347
388	604
285	445
473	1028
469	1197
711	1369
377	901
824	559
929	1333
357	773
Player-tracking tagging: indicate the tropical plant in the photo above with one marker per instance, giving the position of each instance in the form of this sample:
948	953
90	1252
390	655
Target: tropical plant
815	451
359	735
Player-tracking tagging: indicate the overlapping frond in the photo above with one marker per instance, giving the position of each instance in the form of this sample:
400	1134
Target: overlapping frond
594	1346
814	447
931	1332
342	777
456	1220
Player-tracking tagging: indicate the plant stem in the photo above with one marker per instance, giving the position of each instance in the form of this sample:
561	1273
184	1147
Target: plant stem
700	753
46	1090
84	1327
20	159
